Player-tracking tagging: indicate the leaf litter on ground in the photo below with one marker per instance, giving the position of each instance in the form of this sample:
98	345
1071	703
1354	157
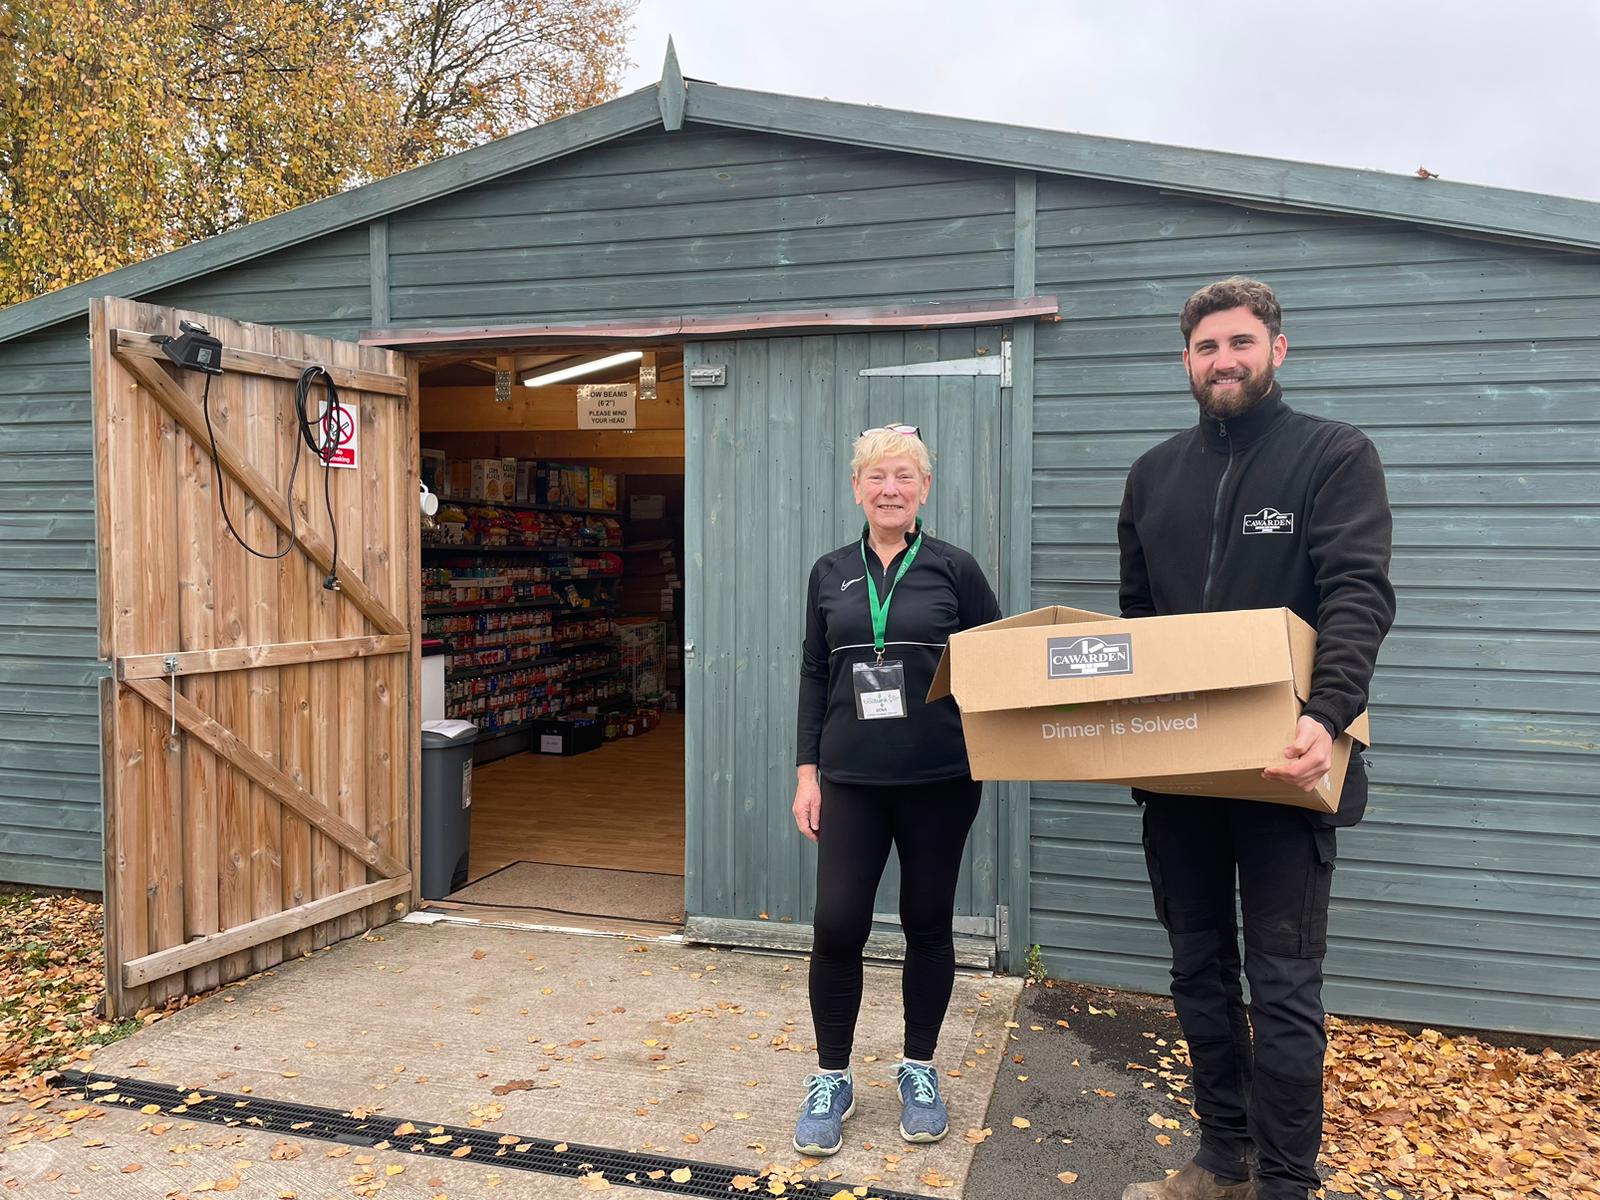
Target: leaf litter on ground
1450	1118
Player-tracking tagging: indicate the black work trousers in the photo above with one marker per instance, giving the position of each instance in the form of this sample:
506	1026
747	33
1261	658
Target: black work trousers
927	823
1259	1098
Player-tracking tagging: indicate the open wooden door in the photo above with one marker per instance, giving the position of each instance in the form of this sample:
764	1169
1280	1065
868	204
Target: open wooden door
260	732
767	490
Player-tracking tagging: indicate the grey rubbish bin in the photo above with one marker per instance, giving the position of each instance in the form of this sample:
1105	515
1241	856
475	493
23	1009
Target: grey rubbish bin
446	805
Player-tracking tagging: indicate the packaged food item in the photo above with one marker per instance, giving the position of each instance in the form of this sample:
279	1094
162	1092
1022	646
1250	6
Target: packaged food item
435	472
483	470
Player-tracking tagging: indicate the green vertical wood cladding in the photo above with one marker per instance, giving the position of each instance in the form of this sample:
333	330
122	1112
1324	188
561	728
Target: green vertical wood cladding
49	714
768	460
1016	481
703	221
1470	895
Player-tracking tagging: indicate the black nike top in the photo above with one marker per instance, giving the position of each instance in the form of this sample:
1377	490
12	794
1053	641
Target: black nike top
943	592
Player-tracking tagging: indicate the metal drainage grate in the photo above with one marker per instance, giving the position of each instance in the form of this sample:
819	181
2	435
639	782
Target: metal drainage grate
486	1148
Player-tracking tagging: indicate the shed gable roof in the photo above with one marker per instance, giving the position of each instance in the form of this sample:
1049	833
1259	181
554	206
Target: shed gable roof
1233	178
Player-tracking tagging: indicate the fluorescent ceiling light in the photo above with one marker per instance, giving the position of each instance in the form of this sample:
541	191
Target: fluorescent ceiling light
587	368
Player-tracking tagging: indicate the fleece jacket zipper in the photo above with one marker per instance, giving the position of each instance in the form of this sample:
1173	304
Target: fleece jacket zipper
1216	519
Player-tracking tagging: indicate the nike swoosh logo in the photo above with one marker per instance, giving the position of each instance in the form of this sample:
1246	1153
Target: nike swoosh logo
848	582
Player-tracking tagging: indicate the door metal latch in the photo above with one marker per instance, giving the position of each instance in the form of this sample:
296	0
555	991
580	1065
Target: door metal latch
170	662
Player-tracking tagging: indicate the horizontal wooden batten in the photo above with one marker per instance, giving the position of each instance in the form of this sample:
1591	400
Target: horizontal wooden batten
251	362
282	787
584	445
242	658
213	946
177	402
516	444
678	328
541	409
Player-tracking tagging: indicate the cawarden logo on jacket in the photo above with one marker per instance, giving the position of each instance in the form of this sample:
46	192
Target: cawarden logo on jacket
1109	655
1269	520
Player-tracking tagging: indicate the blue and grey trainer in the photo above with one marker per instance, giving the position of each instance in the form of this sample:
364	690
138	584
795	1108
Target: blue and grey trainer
830	1099
923	1116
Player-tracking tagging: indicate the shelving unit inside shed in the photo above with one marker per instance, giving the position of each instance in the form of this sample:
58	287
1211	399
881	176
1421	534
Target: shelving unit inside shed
528	628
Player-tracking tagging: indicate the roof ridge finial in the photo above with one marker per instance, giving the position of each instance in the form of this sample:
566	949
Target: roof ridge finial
672	92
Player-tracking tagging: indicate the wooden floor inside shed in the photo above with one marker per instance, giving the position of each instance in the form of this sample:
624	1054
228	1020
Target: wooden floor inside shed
619	808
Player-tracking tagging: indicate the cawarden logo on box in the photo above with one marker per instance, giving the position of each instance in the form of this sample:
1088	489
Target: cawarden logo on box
1109	655
1269	520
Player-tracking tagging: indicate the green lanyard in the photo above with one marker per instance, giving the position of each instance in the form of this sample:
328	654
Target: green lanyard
880	611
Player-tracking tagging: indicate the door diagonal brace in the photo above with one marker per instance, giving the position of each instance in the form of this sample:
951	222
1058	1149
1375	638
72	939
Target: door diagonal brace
231	749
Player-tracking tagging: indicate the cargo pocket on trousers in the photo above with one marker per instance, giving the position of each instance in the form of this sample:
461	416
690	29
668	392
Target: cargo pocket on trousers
1157	888
1319	883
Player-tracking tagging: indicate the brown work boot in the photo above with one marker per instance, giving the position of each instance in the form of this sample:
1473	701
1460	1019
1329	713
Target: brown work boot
1194	1182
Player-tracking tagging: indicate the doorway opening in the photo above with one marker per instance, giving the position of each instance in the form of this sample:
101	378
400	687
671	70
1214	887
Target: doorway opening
552	618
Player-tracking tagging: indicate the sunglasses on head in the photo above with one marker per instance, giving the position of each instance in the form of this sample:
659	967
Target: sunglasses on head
908	430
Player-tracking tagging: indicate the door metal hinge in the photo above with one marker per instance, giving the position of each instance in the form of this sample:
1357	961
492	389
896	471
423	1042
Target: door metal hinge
983	364
688	651
1002	927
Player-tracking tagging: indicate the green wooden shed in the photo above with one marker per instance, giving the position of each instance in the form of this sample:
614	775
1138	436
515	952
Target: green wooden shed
796	242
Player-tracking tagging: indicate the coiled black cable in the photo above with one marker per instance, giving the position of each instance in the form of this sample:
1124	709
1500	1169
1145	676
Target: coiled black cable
337	414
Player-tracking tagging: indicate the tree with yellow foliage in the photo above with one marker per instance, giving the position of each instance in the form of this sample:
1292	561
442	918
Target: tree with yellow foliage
133	127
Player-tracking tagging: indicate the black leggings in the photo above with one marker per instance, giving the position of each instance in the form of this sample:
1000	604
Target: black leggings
928	825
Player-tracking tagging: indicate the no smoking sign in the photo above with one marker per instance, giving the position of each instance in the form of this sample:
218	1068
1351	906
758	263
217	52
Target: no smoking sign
339	428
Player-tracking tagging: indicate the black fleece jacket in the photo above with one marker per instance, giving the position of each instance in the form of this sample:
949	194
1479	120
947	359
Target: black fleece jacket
943	592
1270	509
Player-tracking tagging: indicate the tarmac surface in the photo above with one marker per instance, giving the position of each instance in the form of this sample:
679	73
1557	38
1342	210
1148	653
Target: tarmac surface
1098	1093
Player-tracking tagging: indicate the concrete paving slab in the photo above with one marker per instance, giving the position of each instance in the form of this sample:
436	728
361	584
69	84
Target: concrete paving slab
637	1045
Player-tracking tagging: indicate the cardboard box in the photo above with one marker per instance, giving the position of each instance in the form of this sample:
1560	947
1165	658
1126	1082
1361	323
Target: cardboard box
1197	704
567	736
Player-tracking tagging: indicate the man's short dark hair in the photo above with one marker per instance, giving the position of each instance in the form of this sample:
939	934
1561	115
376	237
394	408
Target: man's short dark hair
1234	292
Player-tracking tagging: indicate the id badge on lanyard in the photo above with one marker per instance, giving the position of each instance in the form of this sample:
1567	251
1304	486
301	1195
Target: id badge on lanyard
880	690
880	686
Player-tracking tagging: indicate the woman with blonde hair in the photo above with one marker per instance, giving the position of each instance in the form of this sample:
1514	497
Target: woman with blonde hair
879	766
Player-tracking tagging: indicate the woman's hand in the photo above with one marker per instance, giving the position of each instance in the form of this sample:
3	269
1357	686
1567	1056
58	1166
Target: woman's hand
807	802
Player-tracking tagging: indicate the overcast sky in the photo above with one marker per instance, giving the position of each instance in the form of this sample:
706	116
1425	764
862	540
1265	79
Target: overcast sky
1501	93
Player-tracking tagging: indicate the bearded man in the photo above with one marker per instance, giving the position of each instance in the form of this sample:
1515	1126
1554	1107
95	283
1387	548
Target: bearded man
1257	506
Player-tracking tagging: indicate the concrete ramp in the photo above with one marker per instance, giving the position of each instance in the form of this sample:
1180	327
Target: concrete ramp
640	1046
